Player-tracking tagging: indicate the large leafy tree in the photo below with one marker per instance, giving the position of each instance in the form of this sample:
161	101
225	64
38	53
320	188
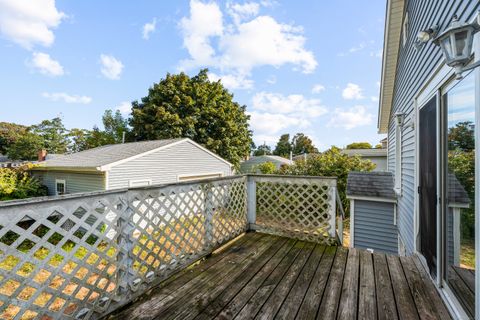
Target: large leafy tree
283	147
26	147
462	136
302	144
115	125
360	145
9	134
196	108
53	134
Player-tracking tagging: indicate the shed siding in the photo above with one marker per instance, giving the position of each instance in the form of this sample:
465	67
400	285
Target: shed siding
164	166
75	182
374	227
414	68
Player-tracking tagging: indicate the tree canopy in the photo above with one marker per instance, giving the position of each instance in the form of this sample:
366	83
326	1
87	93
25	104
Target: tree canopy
262	150
360	145
462	136
284	146
195	108
9	134
302	144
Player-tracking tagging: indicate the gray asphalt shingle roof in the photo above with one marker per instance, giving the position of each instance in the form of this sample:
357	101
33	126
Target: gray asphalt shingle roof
371	184
104	155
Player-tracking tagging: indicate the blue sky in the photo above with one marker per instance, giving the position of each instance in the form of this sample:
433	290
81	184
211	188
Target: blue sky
298	66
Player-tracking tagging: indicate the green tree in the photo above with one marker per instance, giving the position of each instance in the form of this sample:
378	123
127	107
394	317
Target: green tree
262	150
360	145
302	144
53	134
331	163
9	134
195	108
462	136
115	125
26	147
78	140
378	146
283	147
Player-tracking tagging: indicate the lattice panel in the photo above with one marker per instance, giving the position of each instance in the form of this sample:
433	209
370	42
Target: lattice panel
296	208
80	257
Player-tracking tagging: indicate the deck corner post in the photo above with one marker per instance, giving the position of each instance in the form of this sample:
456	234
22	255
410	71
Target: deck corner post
251	202
209	209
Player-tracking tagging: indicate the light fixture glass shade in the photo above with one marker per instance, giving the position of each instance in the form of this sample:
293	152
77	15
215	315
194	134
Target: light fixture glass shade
446	45
463	44
456	43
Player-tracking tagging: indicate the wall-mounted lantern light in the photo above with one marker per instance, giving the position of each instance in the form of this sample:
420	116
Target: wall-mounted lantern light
456	43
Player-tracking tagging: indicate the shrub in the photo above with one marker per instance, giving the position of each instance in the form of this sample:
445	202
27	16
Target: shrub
17	183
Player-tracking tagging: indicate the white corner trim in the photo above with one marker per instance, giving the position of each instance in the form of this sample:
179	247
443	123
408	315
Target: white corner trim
107	180
116	163
352	219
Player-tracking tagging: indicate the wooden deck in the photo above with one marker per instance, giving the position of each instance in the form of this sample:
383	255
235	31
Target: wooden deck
260	276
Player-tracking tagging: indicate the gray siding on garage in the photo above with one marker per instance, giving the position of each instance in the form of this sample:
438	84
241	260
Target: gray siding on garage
414	69
374	226
165	165
75	182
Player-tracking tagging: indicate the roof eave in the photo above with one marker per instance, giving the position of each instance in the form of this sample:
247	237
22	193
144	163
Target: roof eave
72	169
391	44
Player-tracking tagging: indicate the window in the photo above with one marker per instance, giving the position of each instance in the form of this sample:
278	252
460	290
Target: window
139	183
199	176
60	187
398	158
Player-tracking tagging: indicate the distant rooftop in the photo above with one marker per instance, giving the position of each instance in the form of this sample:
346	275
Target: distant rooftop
376	152
371	184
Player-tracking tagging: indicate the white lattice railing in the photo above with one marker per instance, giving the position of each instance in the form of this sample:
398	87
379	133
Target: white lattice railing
81	256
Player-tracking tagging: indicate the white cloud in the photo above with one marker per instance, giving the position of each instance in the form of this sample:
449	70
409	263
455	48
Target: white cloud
111	67
232	81
67	98
377	54
354	117
148	28
318	88
272	79
249	42
28	23
124	107
374	98
352	91
240	12
295	105
270	123
46	65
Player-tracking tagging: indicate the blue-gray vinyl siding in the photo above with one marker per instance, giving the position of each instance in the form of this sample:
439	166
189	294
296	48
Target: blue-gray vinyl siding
166	165
374	226
414	68
75	182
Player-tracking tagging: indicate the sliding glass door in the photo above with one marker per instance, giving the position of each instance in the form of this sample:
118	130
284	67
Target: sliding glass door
458	190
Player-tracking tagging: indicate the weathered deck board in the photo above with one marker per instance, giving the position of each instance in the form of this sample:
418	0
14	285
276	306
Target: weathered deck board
268	277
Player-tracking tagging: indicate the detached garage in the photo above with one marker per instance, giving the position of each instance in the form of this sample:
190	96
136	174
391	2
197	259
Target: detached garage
130	165
372	211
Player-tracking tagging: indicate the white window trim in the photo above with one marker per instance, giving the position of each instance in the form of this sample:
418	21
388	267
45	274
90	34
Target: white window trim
180	176
398	159
57	181
132	182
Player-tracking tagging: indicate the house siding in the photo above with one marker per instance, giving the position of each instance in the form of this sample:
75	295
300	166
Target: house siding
75	182
414	68
374	226
165	165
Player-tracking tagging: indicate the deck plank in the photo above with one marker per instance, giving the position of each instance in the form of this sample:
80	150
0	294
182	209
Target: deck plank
386	308
349	297
256	302
367	303
403	297
330	301
294	299
195	299
275	300
236	295
311	302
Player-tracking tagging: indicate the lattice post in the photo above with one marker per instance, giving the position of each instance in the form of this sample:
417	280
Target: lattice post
332	207
251	202
209	211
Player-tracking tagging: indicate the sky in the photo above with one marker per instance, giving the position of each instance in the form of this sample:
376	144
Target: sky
299	66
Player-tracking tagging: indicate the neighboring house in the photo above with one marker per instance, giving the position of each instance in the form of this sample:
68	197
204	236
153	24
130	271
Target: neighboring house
5	162
377	156
130	165
251	165
421	101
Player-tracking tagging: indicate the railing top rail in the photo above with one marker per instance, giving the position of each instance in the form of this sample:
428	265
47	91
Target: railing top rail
258	175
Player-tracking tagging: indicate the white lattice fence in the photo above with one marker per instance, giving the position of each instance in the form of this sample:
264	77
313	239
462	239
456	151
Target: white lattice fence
81	256
296	207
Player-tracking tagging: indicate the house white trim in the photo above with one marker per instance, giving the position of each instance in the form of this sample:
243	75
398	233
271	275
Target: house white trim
375	199
131	183
200	174
116	163
352	222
